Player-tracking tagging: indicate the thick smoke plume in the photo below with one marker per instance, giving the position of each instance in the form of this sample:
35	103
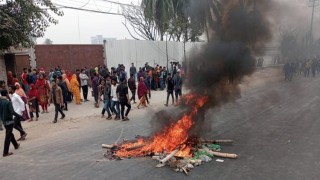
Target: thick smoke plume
219	67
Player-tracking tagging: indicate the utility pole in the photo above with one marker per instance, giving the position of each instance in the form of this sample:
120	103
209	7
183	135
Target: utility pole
312	4
167	52
311	26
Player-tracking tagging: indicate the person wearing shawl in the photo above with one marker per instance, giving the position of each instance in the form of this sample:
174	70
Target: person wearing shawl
74	85
65	79
43	90
33	101
20	91
142	92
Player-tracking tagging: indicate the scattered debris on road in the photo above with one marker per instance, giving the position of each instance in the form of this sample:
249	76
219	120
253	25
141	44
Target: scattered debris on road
202	151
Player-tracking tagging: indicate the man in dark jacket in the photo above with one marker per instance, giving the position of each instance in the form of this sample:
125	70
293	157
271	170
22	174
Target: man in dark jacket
133	87
95	88
6	116
133	70
123	96
170	88
107	98
56	98
177	80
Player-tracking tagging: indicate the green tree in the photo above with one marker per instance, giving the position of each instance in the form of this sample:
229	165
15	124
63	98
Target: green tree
20	20
48	41
184	19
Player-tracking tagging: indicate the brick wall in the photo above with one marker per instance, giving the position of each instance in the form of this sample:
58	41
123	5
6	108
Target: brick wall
3	75
69	57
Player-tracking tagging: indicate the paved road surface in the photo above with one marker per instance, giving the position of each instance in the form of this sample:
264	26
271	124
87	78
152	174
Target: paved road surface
275	127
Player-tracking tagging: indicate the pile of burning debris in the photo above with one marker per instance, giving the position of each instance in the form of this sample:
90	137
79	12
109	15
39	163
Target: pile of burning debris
202	151
173	145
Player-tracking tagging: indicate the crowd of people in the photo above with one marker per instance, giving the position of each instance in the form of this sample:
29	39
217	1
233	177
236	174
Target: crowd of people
307	68
23	95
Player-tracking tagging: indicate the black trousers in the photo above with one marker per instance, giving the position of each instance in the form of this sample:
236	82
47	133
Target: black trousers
168	95
122	105
58	110
95	94
65	97
178	94
37	111
133	97
9	138
17	125
85	92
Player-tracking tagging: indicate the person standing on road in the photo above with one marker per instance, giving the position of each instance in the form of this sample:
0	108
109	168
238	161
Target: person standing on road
133	87
177	80
148	84
19	91
84	84
2	87
142	93
114	99
161	76
56	98
133	70
65	79
95	89
123	96
170	88
43	90
33	101
24	78
106	92
64	87
19	107
74	85
6	116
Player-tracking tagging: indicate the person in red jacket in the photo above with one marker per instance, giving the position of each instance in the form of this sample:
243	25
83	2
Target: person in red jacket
33	101
142	91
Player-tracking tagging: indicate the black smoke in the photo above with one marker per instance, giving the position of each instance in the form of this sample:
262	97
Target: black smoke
219	67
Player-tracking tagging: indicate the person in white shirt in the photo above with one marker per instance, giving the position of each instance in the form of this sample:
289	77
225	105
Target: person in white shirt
19	108
114	99
84	84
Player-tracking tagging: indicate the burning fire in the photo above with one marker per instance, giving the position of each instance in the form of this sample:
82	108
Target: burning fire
173	137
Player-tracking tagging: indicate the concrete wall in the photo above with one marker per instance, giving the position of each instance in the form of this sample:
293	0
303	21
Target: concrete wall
3	74
139	52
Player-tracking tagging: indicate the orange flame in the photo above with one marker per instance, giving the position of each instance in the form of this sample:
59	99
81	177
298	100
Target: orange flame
172	137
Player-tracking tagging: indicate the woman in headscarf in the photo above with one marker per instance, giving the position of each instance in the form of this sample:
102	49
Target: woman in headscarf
20	91
33	102
43	91
74	85
22	94
65	79
142	92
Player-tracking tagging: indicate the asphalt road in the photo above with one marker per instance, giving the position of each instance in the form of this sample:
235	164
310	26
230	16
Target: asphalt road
275	127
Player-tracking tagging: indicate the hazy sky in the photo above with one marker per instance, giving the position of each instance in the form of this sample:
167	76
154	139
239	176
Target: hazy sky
78	26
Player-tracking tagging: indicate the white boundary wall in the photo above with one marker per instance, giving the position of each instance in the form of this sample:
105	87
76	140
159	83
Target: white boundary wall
154	52
142	51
